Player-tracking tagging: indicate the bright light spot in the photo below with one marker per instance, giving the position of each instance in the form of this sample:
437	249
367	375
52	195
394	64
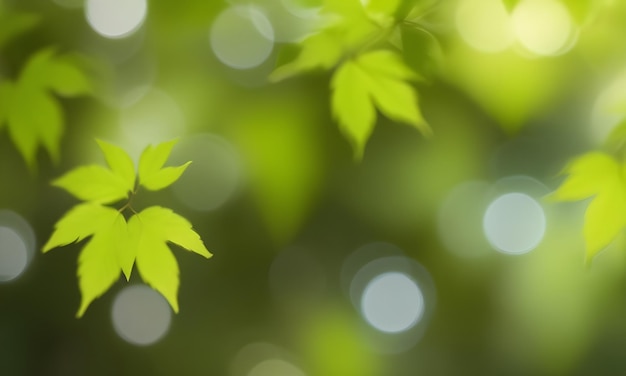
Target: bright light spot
17	245
153	117
392	302
459	220
140	315
115	18
544	27
13	254
213	176
514	223
275	367
485	25
394	294
609	109
242	37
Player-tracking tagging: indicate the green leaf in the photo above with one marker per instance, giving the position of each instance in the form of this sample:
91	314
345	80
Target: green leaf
352	106
115	244
600	176
120	163
93	183
377	79
346	28
152	175
35	117
66	78
384	7
149	232
79	223
421	49
99	266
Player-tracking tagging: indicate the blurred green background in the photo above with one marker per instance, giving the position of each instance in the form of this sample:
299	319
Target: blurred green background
431	256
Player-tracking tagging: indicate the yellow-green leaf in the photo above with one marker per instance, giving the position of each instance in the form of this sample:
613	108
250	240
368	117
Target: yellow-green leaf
152	175
34	116
79	223
374	78
149	232
352	106
98	265
93	183
600	176
120	163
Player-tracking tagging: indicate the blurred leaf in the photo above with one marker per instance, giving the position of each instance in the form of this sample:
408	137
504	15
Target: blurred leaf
600	176
510	4
511	88
385	7
35	117
13	23
152	175
373	79
149	232
115	244
345	29
280	142
422	51
331	331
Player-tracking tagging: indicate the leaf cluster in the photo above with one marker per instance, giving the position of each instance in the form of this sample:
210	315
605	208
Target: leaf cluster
118	243
360	44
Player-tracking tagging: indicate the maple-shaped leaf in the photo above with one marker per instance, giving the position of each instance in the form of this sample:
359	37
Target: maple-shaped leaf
98	184
115	245
344	26
375	79
34	117
602	177
99	262
149	231
152	175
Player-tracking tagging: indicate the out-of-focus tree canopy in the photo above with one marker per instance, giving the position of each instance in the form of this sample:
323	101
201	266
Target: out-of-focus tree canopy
387	187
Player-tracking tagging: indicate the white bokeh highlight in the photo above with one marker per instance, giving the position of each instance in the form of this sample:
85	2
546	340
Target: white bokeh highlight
392	302
140	315
485	25
115	18
242	37
514	223
13	254
17	245
543	27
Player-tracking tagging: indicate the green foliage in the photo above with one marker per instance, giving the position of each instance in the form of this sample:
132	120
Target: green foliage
117	244
375	79
13	24
600	176
359	41
30	112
